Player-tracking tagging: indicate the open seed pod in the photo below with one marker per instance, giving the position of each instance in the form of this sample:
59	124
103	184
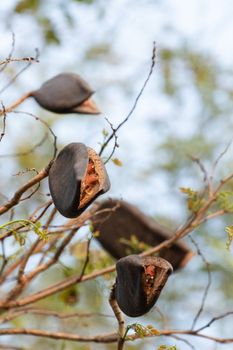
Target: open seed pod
122	221
76	178
66	93
139	283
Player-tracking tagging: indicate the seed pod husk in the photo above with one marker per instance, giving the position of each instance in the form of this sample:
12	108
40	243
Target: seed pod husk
139	283
122	220
66	93
76	178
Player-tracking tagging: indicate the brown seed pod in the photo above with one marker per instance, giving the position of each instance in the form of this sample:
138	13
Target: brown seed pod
76	178
66	93
139	283
122	220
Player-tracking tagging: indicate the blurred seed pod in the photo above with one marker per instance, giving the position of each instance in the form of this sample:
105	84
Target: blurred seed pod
139	283
122	221
76	178
66	93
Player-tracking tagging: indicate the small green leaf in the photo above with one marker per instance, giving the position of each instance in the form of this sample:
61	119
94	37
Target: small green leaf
194	201
225	201
188	191
27	5
91	227
229	230
105	132
117	161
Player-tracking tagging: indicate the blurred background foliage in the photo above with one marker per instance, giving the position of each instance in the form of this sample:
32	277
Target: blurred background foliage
185	111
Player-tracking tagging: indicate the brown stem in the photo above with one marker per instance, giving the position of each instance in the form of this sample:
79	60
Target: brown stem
15	104
103	338
119	317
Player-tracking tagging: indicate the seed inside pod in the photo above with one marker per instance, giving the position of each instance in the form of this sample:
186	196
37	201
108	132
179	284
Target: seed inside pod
76	178
139	283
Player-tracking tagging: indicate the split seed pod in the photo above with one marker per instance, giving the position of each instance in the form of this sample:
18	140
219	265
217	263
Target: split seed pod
122	221
139	283
76	178
66	93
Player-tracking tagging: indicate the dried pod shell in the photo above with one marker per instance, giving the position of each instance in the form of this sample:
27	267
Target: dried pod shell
66	93
122	220
139	283
76	178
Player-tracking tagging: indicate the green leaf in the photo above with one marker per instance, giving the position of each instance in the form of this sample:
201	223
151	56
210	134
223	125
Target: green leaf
225	201
50	34
105	132
134	246
117	161
229	230
27	5
195	201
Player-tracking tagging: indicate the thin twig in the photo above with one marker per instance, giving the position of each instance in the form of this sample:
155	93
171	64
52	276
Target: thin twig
10	53
153	58
214	319
209	280
218	160
20	59
201	166
18	194
191	346
29	151
23	280
4	122
115	141
4	258
46	125
103	338
119	317
32	60
11	315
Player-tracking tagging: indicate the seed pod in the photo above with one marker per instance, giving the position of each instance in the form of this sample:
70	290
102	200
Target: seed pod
122	220
76	178
66	93
139	283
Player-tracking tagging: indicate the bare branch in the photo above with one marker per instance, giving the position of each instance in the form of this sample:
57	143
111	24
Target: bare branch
29	62
21	59
10	53
15	104
4	258
103	338
115	141
106	338
29	151
46	125
214	319
218	160
201	166
119	317
209	280
153	58
11	315
4	122
18	194
191	346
